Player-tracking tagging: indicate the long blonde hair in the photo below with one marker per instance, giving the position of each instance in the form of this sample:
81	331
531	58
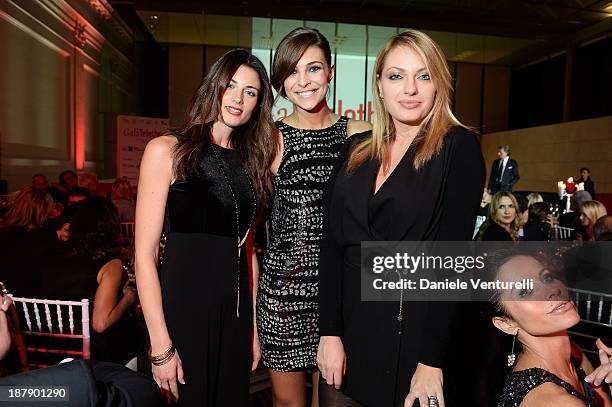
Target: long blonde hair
592	210
435	125
513	228
31	209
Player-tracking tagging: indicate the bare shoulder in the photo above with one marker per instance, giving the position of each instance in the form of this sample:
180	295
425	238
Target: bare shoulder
548	394
161	146
113	267
357	126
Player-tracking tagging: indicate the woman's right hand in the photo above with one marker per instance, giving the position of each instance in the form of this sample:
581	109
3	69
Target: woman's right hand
331	360
167	375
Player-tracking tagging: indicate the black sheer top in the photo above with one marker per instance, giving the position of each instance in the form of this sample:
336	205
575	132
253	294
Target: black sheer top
519	384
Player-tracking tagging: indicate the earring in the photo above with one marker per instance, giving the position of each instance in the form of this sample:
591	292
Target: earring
512	356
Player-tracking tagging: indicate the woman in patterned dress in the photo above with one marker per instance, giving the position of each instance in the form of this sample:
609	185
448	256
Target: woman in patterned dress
308	143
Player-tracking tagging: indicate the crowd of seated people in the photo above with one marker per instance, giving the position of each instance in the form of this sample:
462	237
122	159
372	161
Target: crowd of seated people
71	249
77	253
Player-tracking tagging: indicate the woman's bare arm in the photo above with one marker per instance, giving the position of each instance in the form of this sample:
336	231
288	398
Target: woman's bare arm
154	182
106	309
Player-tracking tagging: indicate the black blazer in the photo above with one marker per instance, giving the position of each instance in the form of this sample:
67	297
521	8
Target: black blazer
492	232
432	203
508	179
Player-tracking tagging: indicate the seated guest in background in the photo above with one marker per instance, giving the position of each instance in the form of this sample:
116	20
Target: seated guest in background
504	172
67	180
40	182
591	212
602	230
522	212
121	196
572	219
24	243
585	177
89	180
78	194
503	222
90	267
533	198
548	369
537	228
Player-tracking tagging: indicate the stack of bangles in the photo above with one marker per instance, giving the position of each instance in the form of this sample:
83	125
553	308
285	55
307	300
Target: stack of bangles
163	358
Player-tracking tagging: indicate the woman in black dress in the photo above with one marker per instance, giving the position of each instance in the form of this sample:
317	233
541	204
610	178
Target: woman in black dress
201	187
418	175
503	222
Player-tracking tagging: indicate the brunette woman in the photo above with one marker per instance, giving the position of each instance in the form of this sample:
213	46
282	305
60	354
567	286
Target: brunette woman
547	369
309	141
201	186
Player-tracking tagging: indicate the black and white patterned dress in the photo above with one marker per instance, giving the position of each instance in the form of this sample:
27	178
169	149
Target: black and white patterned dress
287	303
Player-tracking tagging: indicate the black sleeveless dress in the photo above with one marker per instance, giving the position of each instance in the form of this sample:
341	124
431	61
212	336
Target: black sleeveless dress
288	296
201	281
519	384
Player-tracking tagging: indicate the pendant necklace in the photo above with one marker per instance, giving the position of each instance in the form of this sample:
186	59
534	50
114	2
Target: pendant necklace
240	241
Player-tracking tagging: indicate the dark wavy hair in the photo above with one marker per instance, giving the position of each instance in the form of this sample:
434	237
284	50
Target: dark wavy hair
290	50
253	141
95	229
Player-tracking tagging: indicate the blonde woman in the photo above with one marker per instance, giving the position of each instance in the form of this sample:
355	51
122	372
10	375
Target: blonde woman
25	245
591	211
404	180
503	222
533	198
122	197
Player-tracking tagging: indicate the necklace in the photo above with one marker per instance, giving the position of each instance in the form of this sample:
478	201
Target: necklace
240	241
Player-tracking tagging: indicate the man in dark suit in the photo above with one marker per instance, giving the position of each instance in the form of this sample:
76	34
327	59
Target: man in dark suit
504	172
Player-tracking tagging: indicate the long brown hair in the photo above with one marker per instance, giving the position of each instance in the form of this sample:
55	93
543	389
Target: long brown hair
435	125
290	50
253	141
31	209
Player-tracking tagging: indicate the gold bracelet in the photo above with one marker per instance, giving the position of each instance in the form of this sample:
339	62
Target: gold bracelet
164	361
163	357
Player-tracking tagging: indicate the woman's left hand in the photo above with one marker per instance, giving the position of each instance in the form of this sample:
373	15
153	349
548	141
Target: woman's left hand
603	373
426	382
256	351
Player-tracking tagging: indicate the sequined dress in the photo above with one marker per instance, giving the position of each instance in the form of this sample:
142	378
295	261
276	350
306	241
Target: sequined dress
287	304
519	384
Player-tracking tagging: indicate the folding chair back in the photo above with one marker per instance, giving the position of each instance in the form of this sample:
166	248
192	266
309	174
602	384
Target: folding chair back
40	318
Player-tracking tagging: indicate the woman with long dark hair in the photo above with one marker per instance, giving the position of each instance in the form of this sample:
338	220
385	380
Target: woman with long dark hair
202	186
89	266
404	181
548	369
309	141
